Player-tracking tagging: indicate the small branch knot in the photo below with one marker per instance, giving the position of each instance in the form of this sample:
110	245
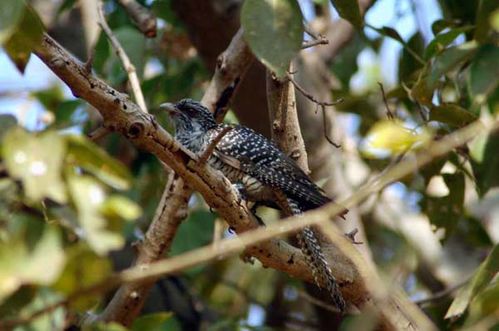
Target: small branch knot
221	64
135	130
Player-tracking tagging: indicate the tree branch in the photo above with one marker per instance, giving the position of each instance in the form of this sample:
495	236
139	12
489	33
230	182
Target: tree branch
121	115
211	147
129	299
141	17
339	33
230	67
314	42
397	317
127	64
284	119
363	274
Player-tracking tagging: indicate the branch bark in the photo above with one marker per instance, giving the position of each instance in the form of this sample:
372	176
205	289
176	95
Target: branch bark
121	115
125	60
129	299
141	17
286	130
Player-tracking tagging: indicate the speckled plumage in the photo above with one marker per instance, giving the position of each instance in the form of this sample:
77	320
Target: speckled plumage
250	159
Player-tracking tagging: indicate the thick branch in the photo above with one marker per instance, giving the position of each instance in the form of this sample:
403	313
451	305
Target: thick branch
339	33
129	299
141	17
284	119
172	209
399	318
124	116
230	67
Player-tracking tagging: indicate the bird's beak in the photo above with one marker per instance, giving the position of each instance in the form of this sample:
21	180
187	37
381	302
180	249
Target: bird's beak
170	108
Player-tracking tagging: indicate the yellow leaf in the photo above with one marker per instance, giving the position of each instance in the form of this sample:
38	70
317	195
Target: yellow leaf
393	137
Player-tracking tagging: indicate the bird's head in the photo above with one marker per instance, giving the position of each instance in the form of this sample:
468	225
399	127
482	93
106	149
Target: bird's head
189	116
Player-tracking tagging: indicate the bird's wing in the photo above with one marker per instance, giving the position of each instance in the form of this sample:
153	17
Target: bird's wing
252	153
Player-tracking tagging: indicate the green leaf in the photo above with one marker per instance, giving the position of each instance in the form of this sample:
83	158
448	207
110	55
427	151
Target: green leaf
38	260
21	298
441	41
51	97
151	322
345	64
484	73
482	277
83	153
449	60
485	162
474	233
407	63
391	33
88	196
117	206
442	24
51	320
84	268
26	37
195	232
133	43
11	12
163	9
445	212
482	29
274	31
443	63
37	161
349	10
485	306
7	121
65	114
452	114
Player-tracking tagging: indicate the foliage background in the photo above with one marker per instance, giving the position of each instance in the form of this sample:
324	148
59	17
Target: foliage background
70	208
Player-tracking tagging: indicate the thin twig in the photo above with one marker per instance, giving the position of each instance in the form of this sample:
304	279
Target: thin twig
401	41
314	217
98	133
324	127
127	64
389	113
318	302
158	142
314	42
141	17
308	30
124	307
310	96
321	104
351	235
441	294
211	147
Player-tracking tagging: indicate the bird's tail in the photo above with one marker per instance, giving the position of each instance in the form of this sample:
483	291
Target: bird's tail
312	250
320	267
